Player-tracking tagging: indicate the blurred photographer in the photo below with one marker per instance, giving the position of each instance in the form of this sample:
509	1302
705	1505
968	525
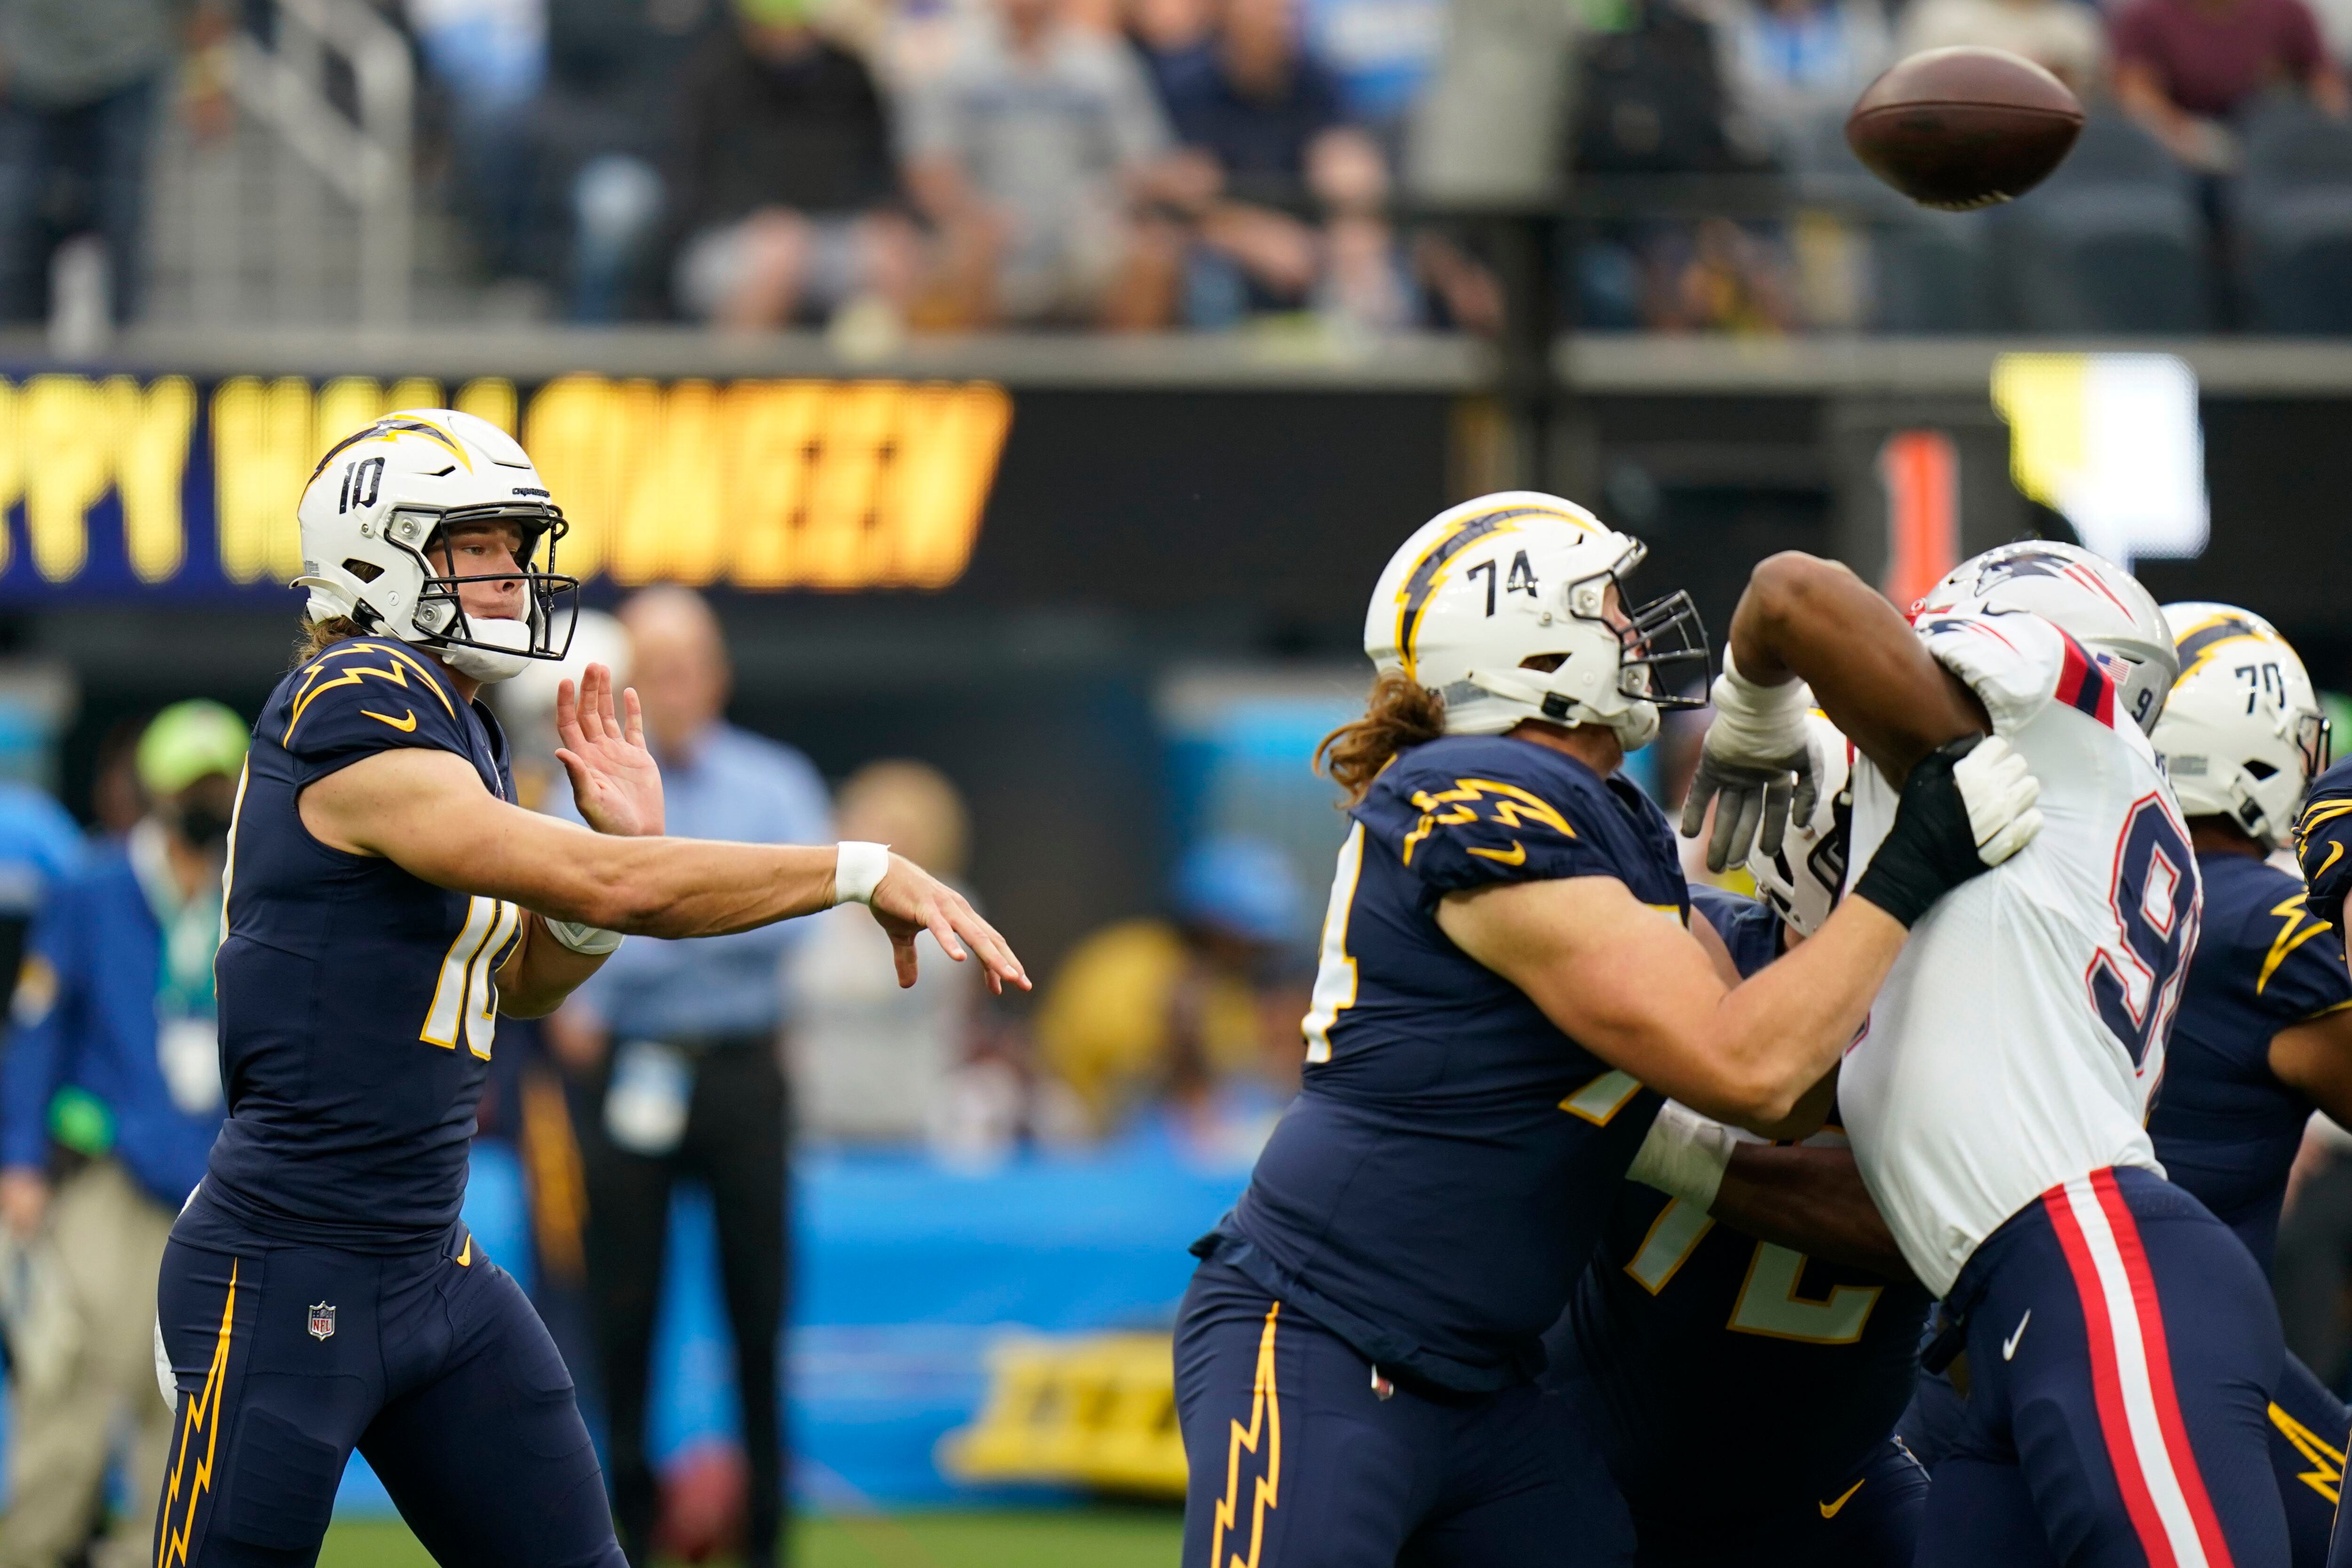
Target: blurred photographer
110	1099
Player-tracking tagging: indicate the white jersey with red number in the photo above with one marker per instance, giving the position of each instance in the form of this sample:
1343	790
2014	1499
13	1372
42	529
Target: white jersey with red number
2020	1035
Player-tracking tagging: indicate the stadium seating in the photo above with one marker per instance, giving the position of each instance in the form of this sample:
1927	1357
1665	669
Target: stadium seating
2292	214
2112	243
1930	271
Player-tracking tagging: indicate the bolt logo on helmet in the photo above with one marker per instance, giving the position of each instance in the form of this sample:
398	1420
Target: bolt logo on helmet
2092	599
1502	606
386	495
2243	734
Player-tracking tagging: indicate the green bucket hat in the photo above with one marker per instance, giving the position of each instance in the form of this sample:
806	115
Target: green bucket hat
189	741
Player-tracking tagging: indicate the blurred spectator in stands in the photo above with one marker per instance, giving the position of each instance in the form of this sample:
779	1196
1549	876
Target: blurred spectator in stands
40	844
677	1043
1173	36
784	180
873	1064
1794	62
77	99
109	1098
1192	1021
1036	154
489	56
2063	36
602	134
1293	210
1651	100
1382	51
2185	68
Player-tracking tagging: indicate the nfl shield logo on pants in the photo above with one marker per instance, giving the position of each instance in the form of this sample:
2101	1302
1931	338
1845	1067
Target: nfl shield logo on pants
323	1322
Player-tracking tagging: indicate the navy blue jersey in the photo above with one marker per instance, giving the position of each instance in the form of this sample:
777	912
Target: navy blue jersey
1682	1324
2322	841
1437	1186
357	1003
2224	1125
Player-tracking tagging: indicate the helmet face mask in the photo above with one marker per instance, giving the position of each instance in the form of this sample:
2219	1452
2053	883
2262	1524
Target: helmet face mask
1804	879
389	499
440	601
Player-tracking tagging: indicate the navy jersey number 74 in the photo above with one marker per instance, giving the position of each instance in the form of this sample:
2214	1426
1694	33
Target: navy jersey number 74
1434	1192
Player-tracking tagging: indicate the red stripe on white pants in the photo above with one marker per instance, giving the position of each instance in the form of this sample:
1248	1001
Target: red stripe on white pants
2131	1376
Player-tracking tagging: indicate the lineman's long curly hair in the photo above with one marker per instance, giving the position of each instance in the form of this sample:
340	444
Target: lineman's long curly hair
1400	712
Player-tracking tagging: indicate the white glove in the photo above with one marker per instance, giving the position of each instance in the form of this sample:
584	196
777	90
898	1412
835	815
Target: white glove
1684	1155
2000	795
1759	761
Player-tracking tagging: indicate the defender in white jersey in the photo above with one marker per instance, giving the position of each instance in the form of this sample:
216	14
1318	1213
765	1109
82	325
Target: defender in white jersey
2120	1344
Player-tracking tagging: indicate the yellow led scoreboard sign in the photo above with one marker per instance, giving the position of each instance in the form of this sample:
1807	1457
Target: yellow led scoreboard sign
115	486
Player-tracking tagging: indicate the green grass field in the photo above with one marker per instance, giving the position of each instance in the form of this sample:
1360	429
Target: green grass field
1081	1538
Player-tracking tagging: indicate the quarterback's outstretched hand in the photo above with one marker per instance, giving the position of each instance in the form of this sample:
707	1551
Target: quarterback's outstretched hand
614	781
1968	806
909	900
1759	761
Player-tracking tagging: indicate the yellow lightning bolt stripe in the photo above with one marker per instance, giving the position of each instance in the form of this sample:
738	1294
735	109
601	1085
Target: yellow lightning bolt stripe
2326	1476
2292	935
1264	1424
2197	645
203	1420
2334	853
396	673
2320	811
1512	807
390	428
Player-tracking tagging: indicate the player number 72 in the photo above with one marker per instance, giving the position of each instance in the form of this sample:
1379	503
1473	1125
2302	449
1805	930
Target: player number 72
1769	1303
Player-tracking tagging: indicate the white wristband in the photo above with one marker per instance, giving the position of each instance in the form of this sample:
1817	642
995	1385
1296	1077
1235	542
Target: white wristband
1684	1155
589	941
858	868
1759	717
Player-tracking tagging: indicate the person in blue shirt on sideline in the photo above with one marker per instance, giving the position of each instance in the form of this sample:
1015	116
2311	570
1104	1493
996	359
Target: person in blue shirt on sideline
677	1045
110	1099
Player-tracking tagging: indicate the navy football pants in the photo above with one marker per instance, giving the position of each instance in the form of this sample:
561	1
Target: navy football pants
431	1364
1871	1520
2308	1428
2123	1349
1299	1462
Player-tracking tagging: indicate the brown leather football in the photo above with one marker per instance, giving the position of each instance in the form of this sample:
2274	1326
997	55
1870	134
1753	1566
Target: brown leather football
1964	127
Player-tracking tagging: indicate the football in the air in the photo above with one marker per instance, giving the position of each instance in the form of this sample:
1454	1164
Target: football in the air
1965	126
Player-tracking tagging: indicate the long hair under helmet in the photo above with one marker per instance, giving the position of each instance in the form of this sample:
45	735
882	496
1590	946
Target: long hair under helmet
382	497
2091	599
1483	588
2243	734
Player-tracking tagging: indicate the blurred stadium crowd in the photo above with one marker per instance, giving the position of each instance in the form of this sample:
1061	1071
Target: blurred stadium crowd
1135	164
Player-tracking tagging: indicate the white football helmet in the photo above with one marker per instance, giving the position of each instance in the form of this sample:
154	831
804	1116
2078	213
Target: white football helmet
2244	734
1484	587
376	503
2089	598
1802	882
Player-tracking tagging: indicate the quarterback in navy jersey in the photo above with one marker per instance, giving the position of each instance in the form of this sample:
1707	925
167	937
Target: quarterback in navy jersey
1685	1318
385	901
1507	985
